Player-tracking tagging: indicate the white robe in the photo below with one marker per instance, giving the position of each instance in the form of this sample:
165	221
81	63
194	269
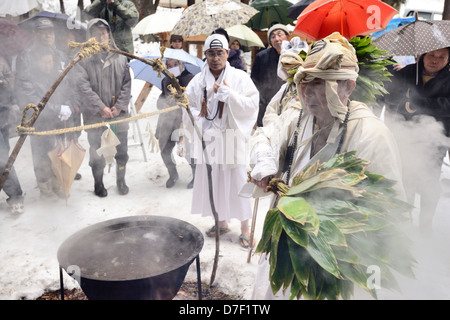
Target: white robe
366	134
226	140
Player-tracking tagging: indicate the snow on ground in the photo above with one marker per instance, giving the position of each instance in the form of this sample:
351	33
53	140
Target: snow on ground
29	242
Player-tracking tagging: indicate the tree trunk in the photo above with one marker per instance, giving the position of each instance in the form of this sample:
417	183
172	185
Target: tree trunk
446	13
61	6
146	7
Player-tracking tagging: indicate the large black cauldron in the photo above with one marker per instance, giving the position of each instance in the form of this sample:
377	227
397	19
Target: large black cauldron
132	258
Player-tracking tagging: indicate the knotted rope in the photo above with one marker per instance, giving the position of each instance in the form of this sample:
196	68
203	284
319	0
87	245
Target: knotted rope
25	126
90	48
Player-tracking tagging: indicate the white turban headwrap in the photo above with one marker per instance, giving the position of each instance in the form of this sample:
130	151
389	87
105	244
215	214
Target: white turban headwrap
332	58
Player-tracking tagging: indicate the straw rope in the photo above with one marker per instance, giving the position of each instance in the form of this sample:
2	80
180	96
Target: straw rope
31	131
89	47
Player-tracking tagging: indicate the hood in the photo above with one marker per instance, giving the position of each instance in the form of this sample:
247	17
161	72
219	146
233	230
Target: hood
92	22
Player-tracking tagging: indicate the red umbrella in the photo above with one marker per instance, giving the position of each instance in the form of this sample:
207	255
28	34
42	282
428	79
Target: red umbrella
348	17
13	39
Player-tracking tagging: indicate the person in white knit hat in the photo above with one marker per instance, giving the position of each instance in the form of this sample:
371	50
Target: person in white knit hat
326	123
264	70
224	103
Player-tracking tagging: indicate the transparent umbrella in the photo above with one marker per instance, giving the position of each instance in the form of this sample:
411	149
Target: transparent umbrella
145	72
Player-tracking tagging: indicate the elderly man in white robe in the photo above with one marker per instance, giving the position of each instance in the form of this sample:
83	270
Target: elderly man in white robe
224	103
327	124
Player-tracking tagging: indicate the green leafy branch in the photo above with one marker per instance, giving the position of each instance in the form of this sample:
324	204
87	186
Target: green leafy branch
335	221
373	71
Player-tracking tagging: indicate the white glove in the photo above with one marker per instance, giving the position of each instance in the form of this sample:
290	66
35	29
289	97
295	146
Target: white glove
65	112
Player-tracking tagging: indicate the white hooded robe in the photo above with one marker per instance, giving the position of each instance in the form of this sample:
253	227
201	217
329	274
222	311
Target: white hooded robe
226	139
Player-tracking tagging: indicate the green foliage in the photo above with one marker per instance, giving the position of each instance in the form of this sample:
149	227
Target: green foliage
373	71
335	221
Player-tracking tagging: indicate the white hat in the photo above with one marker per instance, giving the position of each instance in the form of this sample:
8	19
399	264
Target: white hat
277	26
215	41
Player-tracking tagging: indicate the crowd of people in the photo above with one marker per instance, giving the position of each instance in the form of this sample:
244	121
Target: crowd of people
282	125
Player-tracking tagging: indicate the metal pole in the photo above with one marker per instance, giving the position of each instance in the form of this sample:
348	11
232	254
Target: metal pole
61	283
199	278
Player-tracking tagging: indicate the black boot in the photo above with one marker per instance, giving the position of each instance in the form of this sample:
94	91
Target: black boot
173	177
191	183
99	188
120	179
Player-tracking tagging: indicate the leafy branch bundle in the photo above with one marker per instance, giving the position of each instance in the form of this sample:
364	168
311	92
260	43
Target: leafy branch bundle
336	220
373	71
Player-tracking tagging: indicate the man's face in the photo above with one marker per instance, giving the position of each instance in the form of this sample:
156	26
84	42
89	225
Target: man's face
314	94
100	34
46	36
216	59
277	37
435	61
176	44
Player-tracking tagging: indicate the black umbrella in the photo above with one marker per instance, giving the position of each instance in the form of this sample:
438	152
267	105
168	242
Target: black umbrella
297	8
62	22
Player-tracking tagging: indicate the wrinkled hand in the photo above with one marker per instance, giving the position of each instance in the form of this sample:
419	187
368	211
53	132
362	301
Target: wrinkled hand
263	183
64	113
106	113
115	111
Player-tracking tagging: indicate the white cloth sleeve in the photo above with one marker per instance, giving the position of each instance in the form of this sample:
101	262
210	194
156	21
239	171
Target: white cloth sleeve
264	161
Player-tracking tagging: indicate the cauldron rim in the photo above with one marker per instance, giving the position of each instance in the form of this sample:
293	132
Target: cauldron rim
64	248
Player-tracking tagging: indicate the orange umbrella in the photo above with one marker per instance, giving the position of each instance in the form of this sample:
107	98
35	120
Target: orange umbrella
348	17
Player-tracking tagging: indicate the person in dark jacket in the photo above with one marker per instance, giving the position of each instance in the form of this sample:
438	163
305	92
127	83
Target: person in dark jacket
171	121
121	16
57	114
104	90
418	90
37	67
11	186
236	57
264	70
